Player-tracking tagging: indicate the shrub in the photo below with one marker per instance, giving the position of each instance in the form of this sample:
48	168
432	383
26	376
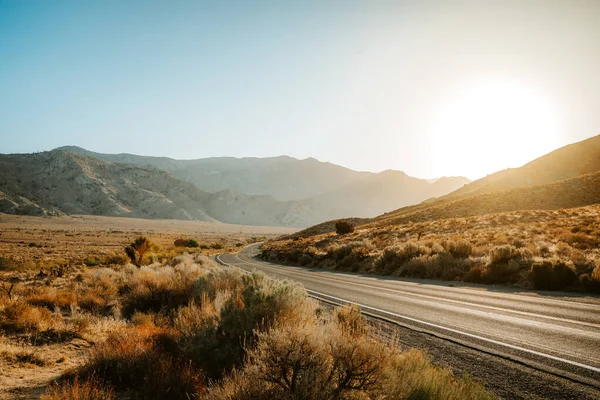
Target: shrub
350	321
92	302
87	389
459	249
153	289
132	358
138	249
309	362
21	317
216	246
186	243
343	227
192	243
547	275
591	282
504	253
395	257
7	264
52	299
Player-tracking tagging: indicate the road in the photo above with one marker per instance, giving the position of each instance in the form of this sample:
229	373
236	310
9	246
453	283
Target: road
559	334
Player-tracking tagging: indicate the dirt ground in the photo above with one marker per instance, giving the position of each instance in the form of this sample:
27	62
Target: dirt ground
40	242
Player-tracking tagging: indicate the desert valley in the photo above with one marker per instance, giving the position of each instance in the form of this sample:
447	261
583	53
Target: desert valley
313	200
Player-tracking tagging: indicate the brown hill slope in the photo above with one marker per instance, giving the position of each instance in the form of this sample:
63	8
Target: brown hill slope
566	162
574	192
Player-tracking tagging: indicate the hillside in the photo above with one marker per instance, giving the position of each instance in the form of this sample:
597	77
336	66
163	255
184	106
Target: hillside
566	162
284	178
385	191
287	178
60	181
544	236
65	182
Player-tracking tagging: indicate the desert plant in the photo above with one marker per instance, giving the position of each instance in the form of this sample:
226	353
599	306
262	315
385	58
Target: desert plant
91	388
343	227
550	275
136	250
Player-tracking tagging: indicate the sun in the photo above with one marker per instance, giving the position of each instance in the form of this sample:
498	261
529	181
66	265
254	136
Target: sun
490	125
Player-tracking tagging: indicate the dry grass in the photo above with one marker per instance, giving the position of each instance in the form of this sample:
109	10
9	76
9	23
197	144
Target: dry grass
34	243
544	249
187	328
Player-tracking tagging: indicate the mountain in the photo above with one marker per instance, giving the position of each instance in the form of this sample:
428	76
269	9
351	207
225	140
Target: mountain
284	178
565	178
574	192
288	191
566	162
60	181
387	190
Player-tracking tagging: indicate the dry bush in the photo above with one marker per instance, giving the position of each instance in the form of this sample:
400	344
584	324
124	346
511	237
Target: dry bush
395	257
260	303
549	275
459	249
349	320
92	302
19	317
157	287
53	299
138	249
591	282
88	389
412	376
136	358
313	362
308	362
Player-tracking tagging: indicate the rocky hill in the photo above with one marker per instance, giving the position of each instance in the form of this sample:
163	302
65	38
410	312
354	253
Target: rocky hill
287	191
60	181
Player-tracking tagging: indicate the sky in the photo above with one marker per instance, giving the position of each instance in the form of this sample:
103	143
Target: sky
432	88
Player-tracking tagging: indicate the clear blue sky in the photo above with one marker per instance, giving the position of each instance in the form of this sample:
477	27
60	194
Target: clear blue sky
429	87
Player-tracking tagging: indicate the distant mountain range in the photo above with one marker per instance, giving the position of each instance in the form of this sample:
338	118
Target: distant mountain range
279	191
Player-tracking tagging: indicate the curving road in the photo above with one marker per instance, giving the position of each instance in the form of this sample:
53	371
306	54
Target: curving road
560	335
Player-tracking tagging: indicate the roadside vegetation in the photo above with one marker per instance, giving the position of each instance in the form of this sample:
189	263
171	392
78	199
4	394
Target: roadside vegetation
540	249
185	328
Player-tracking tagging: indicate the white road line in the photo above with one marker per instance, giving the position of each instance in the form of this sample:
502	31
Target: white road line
525	313
443	328
514	347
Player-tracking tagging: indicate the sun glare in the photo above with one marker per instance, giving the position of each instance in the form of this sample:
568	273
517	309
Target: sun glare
492	125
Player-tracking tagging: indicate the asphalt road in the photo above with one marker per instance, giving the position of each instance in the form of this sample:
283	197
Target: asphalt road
558	333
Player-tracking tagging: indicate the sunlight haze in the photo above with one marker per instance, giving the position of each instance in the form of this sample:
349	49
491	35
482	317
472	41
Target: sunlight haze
434	88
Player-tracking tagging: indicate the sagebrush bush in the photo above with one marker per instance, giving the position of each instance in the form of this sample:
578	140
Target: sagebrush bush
20	317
